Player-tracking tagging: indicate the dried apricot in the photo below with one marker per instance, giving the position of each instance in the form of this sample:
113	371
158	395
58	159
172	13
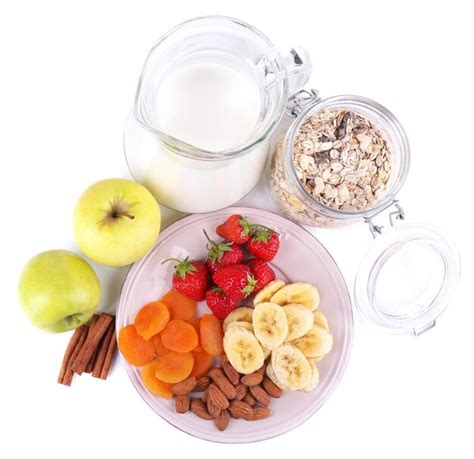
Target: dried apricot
158	345
211	334
195	323
179	336
202	363
181	307
153	384
151	319
134	348
174	367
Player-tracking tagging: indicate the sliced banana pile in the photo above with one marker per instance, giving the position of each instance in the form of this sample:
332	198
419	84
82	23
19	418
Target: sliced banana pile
285	324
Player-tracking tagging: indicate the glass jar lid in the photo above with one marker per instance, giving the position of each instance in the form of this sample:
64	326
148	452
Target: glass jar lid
407	277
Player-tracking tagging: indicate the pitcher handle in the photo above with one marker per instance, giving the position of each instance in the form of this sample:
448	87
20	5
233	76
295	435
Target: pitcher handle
298	68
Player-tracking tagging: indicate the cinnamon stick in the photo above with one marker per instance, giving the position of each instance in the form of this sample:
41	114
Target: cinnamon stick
108	357
102	352
90	364
85	354
67	379
69	351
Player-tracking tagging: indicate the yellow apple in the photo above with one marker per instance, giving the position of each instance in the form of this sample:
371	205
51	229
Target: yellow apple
116	222
58	290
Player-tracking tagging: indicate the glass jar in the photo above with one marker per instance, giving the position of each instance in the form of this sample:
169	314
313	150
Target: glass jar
410	270
242	66
294	200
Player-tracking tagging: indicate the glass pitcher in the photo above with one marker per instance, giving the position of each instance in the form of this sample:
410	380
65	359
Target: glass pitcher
194	67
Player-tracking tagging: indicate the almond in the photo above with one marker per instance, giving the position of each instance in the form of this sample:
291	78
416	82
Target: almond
199	409
218	397
205	396
271	388
222	421
260	395
250	399
213	410
202	384
182	403
231	373
184	387
221	381
253	379
241	410
260	412
240	391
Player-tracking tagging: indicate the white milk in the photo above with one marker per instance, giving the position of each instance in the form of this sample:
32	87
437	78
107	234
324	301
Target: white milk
212	107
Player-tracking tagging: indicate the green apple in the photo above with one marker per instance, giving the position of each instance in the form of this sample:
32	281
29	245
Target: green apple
116	222
59	290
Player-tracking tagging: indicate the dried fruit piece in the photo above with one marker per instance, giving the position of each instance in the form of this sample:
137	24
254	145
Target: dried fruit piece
134	348
182	403
151	319
211	334
202	363
153	384
194	322
158	345
184	387
179	336
181	307
174	367
198	407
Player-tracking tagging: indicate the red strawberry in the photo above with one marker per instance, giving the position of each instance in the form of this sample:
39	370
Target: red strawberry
219	303
262	272
223	254
235	281
264	244
190	278
235	229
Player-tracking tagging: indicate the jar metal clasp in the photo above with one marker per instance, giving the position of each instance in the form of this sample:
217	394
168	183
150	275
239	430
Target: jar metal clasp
298	101
397	214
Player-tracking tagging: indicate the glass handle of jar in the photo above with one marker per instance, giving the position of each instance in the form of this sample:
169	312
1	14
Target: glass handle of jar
298	68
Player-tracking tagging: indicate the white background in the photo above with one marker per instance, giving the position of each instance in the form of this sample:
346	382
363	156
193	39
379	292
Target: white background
67	80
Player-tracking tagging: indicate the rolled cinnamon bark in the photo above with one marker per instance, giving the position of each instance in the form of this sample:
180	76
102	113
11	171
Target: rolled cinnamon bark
102	350
82	359
108	357
76	336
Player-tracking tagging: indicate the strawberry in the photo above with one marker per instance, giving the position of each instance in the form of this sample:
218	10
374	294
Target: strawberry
190	278
236	281
222	254
262	272
235	229
264	244
219	303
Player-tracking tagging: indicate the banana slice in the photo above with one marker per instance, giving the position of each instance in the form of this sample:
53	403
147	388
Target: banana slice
243	350
299	293
266	352
270	324
268	291
316	343
320	319
271	374
239	314
300	320
314	381
241	323
291	367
